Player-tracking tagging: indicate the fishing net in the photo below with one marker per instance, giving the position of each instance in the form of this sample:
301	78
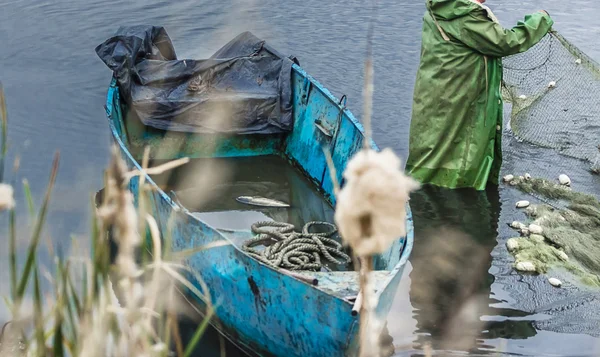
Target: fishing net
552	98
553	90
569	237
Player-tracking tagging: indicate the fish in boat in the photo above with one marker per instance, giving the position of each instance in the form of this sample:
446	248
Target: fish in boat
274	108
261	201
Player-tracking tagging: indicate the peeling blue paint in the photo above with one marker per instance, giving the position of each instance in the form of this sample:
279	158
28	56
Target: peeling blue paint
263	310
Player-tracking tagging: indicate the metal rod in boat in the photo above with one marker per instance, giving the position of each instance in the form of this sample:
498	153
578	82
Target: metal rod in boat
357	303
307	279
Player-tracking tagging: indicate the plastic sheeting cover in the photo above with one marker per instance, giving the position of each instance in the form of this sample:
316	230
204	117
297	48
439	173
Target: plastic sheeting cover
244	88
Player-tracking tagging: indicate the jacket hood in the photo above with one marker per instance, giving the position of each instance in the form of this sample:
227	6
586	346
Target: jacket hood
451	9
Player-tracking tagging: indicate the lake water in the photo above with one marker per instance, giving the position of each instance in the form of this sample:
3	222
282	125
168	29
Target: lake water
55	87
265	176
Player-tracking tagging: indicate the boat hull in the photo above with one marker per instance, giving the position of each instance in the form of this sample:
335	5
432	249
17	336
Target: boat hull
260	309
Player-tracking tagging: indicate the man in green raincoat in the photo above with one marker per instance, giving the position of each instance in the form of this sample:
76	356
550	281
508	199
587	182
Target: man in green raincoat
455	132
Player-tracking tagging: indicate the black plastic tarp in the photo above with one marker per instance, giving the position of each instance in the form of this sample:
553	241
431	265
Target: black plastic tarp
244	88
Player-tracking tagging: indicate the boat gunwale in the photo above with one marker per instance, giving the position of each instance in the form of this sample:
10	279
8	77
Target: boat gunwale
408	238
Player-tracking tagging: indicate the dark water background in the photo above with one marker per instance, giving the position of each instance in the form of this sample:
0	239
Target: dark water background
55	87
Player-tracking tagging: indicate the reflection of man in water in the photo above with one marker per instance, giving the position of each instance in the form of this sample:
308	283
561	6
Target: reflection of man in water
455	231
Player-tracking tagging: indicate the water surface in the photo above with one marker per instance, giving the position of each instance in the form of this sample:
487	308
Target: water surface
55	87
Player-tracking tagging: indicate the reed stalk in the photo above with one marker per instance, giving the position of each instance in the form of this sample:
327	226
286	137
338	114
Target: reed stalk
82	315
3	131
368	346
375	195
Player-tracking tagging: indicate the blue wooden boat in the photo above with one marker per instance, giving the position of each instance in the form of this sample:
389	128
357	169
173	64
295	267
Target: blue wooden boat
263	310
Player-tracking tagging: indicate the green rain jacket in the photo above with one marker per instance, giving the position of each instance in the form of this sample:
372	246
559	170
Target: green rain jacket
455	130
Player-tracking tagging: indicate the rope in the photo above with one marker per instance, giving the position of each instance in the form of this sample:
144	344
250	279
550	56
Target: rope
292	250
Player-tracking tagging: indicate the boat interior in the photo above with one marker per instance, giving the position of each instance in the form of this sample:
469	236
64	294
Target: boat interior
289	167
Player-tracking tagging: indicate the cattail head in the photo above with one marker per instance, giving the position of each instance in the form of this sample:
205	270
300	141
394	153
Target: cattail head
6	197
371	208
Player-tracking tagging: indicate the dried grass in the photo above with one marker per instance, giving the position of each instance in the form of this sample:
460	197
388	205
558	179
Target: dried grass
84	315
